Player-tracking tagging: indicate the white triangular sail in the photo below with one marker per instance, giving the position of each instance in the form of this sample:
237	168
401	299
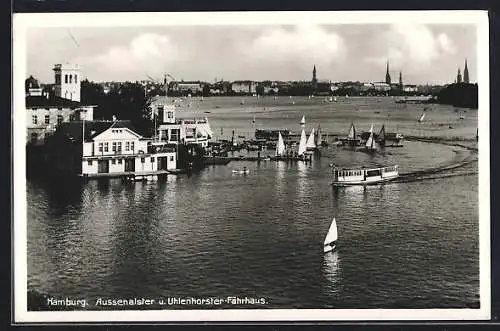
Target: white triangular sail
370	143
302	143
280	147
303	120
421	117
332	235
310	141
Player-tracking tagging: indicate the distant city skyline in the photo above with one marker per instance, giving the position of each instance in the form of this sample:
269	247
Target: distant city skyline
424	53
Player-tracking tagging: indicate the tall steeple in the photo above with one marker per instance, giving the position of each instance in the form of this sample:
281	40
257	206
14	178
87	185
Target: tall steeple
387	75
314	79
466	73
400	79
459	76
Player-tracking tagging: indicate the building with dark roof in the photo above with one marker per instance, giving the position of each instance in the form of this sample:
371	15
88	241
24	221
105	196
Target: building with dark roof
47	107
102	148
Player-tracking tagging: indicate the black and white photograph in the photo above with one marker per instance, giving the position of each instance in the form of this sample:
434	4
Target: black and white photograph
251	166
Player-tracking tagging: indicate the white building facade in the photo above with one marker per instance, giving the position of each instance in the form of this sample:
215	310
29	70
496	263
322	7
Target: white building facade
172	130
119	149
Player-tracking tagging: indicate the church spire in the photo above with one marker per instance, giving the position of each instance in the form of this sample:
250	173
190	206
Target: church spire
466	73
400	79
459	76
387	75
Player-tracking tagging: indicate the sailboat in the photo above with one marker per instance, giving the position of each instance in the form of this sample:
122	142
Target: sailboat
302	143
370	145
381	136
331	238
280	147
351	139
303	120
319	140
310	144
421	118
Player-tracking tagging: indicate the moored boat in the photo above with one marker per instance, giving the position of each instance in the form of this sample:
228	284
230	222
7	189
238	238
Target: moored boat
243	171
371	176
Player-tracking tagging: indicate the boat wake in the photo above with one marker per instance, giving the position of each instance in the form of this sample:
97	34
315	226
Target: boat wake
444	171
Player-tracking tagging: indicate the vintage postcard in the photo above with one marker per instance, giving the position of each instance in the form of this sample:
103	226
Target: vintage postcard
239	166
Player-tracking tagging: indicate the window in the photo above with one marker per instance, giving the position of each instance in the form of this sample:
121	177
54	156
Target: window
113	148
119	147
47	108
113	161
127	146
76	79
171	158
34	137
100	147
66	79
59	119
34	119
170	114
106	147
132	145
47	119
70	79
89	162
119	161
142	160
59	108
152	160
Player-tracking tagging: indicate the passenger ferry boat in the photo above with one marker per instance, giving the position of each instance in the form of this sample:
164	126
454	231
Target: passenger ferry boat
348	177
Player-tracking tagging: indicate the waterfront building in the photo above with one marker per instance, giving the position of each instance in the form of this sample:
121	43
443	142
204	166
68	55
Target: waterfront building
186	88
243	87
107	148
173	130
466	73
410	88
46	108
380	86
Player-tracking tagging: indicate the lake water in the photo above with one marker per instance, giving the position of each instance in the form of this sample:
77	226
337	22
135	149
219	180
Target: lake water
411	244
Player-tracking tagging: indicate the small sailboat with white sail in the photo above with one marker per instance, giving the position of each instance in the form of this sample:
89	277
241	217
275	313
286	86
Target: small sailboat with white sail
330	242
280	146
421	119
311	144
351	139
371	145
303	120
302	144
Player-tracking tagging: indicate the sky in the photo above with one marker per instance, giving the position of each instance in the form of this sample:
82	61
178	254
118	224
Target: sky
424	53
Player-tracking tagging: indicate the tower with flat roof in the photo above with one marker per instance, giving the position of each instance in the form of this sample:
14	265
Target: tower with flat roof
67	81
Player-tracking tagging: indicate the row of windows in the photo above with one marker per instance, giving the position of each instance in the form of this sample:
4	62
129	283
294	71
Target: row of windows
350	173
143	159
47	108
69	79
34	119
116	146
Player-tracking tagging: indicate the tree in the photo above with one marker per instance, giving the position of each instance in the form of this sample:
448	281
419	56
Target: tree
126	101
